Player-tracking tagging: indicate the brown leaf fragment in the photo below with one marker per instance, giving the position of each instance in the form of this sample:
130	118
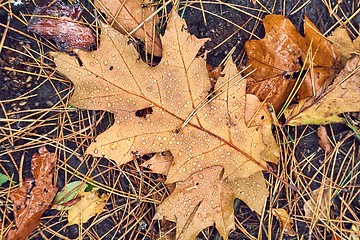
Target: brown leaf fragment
286	224
214	73
160	162
342	96
318	206
127	15
61	23
277	60
323	139
34	196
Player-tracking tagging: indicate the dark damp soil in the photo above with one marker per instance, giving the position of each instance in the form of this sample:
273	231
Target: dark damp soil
218	22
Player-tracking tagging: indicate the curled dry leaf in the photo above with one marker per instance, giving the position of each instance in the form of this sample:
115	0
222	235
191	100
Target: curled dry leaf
342	96
34	196
343	43
323	139
126	15
278	58
88	206
61	23
112	79
286	224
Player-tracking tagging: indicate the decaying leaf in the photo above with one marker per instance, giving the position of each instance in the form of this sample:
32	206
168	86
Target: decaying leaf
343	43
286	224
206	198
323	139
34	196
318	206
160	162
89	205
278	60
112	79
126	15
61	23
342	96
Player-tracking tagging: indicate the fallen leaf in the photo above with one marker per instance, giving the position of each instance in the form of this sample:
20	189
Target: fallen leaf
68	193
89	205
342	96
112	79
286	224
278	58
34	196
160	162
318	206
343	43
323	139
61	23
205	199
126	15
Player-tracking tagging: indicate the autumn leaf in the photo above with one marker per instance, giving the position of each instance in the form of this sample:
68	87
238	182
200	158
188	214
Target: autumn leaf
205	199
34	196
342	96
127	15
89	205
278	59
343	43
199	133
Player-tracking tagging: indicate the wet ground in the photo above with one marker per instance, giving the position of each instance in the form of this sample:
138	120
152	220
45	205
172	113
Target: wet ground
227	25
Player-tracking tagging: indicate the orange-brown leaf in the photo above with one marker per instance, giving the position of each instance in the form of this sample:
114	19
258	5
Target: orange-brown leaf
279	56
34	196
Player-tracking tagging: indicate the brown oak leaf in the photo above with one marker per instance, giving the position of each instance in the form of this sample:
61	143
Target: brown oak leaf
199	133
278	59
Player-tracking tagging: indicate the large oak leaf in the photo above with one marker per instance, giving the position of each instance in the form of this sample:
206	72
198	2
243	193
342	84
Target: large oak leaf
112	78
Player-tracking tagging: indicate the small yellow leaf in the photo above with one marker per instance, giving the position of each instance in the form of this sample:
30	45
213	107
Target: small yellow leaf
342	96
89	205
